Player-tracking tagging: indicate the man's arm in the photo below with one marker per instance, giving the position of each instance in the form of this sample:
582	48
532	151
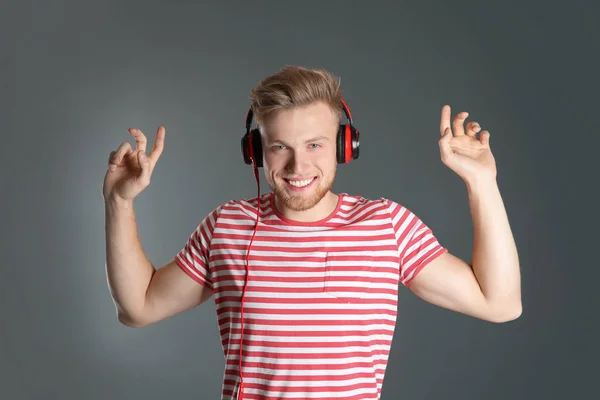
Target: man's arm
491	288
142	294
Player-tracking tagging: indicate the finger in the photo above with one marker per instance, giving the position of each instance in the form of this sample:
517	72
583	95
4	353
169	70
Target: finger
473	128
484	138
159	143
146	169
459	123
118	155
445	119
444	143
111	166
140	139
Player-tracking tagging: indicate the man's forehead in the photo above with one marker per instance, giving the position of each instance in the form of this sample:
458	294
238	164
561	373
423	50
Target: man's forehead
322	132
289	125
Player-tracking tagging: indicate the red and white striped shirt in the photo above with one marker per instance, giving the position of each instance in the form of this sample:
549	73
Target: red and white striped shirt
321	298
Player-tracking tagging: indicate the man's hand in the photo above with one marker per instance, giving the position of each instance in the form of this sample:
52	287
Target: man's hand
461	151
129	171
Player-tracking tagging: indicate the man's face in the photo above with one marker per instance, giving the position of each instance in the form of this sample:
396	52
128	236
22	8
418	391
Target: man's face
299	148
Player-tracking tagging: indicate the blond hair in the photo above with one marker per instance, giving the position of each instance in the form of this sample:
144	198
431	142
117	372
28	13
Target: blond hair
294	86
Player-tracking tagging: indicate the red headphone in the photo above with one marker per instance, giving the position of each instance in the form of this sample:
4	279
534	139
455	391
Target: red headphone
347	141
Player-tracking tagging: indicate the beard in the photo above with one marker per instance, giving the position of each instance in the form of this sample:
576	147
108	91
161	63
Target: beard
304	201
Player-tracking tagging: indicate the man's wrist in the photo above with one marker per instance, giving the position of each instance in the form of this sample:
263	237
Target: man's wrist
118	203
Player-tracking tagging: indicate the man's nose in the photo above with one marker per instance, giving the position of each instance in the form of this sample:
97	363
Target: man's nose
298	162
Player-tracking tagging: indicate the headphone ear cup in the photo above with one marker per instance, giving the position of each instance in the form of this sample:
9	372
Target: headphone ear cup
246	148
252	148
257	147
355	142
341	145
347	144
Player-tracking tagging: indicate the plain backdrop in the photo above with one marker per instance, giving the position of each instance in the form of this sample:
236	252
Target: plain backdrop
74	75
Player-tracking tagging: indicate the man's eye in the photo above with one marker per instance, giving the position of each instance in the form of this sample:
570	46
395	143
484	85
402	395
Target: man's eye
313	145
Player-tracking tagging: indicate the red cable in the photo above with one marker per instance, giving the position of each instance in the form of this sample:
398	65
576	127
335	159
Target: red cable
241	389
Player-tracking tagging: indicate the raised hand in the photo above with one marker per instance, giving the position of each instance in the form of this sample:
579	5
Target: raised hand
129	171
461	151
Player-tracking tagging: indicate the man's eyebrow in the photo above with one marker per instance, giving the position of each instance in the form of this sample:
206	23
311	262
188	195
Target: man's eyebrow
313	139
317	139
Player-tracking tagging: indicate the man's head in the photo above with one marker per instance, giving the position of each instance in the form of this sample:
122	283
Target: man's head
298	112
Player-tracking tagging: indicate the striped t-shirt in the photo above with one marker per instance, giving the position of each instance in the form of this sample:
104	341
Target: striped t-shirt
321	298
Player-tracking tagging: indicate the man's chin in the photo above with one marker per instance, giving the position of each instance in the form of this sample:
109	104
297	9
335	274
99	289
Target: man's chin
299	204
300	201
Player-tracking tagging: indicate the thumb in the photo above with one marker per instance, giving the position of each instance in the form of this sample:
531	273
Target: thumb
145	166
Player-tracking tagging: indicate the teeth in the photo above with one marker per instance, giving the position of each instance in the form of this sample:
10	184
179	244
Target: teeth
300	183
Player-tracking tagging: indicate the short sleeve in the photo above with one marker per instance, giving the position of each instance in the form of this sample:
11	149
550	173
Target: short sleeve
417	245
193	258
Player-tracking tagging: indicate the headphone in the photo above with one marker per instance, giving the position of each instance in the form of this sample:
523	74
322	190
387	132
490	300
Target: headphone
347	142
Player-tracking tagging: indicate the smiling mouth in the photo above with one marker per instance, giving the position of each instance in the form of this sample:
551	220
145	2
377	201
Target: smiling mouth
300	183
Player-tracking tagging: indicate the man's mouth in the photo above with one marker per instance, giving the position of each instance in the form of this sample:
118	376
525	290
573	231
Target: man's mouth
300	183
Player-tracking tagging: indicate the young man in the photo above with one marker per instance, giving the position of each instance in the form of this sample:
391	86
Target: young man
305	281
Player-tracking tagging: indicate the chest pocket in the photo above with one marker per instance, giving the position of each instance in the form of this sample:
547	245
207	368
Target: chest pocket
349	274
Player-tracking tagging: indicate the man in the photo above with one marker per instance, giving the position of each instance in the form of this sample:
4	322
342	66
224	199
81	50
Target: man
304	279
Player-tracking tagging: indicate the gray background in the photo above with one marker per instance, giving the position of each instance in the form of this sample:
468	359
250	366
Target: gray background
74	75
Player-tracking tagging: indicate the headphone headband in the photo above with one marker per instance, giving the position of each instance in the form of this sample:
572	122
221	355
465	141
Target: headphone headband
347	111
345	108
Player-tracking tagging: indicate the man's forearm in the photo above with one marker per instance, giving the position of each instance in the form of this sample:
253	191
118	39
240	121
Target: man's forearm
495	258
128	269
